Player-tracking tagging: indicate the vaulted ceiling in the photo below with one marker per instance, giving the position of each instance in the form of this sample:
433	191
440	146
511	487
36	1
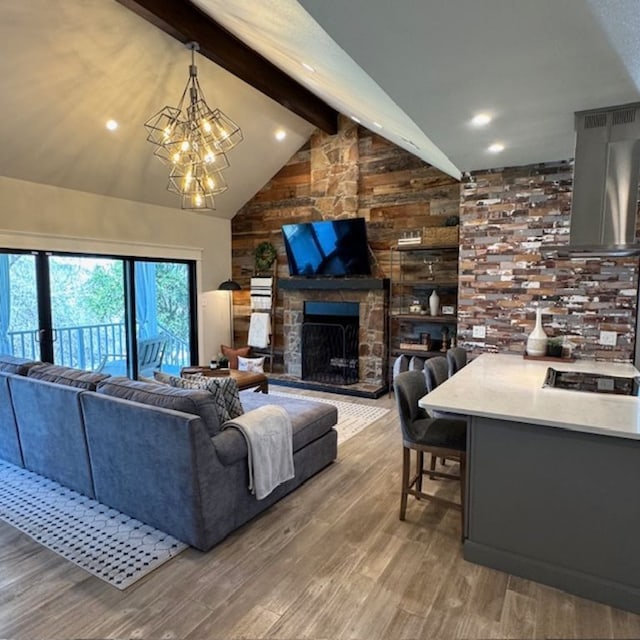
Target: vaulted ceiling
414	71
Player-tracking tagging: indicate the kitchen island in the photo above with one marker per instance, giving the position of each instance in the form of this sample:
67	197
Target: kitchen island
552	476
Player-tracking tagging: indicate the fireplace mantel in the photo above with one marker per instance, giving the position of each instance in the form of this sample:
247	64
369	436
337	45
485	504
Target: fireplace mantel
350	284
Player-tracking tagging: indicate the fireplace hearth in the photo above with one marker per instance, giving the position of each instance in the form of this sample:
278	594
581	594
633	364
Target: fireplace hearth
330	342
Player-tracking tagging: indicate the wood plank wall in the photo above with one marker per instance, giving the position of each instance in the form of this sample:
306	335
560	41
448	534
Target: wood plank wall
352	173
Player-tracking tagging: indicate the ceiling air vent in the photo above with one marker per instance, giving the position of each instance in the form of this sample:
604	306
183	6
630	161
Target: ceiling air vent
595	120
624	116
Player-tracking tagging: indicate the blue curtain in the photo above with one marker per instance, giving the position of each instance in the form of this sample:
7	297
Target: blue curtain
5	304
146	299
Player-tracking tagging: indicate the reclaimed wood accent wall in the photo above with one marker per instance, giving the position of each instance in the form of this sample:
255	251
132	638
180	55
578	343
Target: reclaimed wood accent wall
506	215
352	173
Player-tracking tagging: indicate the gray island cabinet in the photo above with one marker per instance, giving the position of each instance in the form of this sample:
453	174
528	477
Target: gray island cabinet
553	476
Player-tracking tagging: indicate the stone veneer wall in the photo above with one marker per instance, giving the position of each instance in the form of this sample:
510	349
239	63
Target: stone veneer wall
506	215
352	173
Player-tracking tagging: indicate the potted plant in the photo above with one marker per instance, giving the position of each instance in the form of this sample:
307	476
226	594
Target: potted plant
554	347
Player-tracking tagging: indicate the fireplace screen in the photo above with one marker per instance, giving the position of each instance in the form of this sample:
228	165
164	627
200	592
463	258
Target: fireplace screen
330	342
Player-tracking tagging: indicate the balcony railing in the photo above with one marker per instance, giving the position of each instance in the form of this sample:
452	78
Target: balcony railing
87	347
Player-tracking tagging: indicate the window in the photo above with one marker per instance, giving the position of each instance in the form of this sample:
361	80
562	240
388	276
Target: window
112	314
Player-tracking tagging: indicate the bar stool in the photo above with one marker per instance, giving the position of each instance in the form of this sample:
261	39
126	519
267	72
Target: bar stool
456	359
443	437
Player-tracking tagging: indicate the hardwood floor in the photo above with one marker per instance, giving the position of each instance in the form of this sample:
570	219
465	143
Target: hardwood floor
332	560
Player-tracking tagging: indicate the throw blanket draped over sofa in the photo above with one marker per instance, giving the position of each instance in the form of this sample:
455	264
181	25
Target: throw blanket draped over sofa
154	452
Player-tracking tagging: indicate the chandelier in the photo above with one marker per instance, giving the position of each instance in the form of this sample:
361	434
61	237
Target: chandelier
193	141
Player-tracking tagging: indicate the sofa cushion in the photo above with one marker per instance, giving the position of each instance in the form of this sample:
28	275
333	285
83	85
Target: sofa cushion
12	364
196	402
87	380
309	420
51	431
223	389
9	442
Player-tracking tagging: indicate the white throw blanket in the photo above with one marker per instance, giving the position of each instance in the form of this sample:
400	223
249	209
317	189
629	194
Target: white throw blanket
259	330
269	437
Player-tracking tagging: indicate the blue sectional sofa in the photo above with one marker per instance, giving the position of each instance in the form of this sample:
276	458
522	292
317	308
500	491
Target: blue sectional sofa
151	451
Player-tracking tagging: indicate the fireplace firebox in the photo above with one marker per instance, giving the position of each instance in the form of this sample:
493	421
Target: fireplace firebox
330	342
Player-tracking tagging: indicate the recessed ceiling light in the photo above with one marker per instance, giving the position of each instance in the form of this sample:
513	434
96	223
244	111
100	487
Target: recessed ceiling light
112	125
377	124
356	119
496	147
481	119
308	67
281	134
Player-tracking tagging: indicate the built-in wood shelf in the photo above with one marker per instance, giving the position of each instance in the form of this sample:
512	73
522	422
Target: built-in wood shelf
351	284
419	317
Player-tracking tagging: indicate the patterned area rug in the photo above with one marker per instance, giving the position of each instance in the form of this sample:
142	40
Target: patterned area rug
352	417
104	542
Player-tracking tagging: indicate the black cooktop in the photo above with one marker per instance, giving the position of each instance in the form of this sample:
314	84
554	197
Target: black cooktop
593	382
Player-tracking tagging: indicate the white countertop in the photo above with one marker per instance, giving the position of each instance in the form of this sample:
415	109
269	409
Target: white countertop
510	387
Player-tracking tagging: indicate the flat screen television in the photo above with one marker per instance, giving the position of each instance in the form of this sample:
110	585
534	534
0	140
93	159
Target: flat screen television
335	248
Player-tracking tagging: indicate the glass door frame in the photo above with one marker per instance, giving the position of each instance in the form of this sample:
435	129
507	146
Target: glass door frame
46	332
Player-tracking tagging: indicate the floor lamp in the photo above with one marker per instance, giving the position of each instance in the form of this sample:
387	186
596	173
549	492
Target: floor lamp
230	286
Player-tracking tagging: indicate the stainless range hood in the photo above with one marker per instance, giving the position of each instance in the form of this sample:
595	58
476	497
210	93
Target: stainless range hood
605	184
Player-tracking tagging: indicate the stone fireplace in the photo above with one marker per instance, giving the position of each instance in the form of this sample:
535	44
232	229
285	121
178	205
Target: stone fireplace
361	322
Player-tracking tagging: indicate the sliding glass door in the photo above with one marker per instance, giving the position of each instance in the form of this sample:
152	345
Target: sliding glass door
123	316
87	302
19	321
164	320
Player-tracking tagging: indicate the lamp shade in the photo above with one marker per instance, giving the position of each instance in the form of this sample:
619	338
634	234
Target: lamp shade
229	285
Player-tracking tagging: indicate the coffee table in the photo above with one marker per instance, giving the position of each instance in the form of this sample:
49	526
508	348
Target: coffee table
244	379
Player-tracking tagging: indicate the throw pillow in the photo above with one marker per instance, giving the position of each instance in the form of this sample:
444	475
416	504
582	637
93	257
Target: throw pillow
232	354
228	388
224	392
255	365
162	377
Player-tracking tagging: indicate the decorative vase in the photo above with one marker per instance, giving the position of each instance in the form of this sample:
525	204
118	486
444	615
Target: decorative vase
537	340
434	303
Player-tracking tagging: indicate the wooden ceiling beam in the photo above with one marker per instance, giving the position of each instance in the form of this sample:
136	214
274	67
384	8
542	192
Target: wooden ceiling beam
186	22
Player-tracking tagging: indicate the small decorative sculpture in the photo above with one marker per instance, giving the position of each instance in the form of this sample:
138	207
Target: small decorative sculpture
425	340
415	306
445	338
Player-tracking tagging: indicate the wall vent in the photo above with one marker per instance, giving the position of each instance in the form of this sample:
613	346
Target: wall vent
595	120
624	116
